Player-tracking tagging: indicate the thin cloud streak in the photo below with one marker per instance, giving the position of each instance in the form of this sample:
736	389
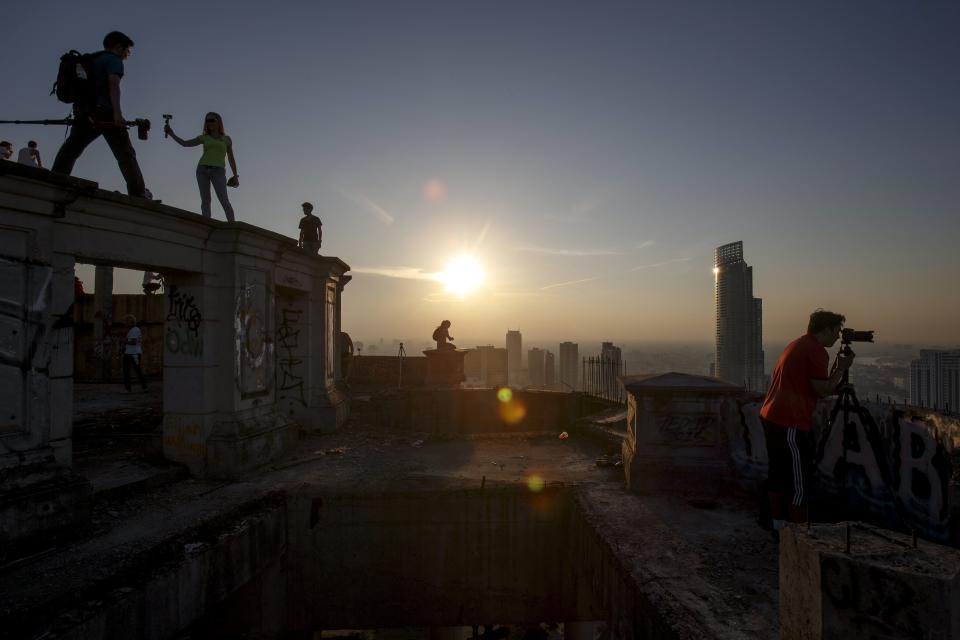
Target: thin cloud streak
569	282
659	264
483	235
645	244
580	253
404	273
379	212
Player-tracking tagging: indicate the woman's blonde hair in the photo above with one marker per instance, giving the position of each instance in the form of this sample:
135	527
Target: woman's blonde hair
219	122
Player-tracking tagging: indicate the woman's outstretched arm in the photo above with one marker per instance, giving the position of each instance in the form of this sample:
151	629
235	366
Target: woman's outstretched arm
192	142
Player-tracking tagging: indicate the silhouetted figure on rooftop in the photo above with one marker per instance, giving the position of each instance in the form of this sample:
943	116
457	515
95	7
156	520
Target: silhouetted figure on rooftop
311	230
442	335
104	117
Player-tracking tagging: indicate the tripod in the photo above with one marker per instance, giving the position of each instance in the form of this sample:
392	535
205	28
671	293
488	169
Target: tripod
845	404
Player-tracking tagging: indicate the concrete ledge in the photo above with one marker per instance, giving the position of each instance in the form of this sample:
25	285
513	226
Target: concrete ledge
35	506
167	587
882	588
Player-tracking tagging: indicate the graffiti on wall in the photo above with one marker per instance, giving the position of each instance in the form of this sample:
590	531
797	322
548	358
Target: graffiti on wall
182	437
253	348
892	461
680	428
897	466
290	364
182	308
32	342
182	335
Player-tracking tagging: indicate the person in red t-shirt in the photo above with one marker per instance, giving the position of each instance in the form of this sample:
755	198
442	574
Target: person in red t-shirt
798	381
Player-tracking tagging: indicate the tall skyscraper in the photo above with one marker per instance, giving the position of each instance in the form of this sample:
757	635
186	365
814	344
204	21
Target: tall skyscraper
935	379
536	359
739	337
570	366
514	356
549	369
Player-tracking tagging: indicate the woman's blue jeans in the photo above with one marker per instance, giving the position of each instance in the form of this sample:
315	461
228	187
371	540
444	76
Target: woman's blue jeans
217	176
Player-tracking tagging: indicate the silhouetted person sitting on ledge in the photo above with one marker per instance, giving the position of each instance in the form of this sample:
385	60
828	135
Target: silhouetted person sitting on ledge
442	335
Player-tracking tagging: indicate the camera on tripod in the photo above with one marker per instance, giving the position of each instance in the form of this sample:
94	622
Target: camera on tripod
851	335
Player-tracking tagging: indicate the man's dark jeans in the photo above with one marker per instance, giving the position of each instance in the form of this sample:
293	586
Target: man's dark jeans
82	134
132	361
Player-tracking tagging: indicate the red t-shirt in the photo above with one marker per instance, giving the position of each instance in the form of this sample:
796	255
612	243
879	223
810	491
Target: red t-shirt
791	400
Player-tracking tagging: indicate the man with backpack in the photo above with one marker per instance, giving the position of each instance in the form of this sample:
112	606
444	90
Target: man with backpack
95	93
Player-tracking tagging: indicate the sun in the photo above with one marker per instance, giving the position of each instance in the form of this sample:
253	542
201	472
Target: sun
462	275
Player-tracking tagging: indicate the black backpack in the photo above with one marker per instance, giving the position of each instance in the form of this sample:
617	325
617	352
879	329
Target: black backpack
74	83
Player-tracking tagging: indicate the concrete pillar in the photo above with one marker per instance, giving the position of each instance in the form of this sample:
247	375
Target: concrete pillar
39	493
328	397
190	370
103	320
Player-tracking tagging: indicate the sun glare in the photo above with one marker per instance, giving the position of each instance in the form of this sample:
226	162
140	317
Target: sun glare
462	275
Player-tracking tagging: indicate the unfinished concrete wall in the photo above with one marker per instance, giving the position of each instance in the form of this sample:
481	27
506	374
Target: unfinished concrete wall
466	411
918	450
38	493
377	373
429	558
222	411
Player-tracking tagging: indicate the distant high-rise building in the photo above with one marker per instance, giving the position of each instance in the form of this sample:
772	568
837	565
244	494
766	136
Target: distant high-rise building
569	366
514	356
935	379
610	352
549	369
535	364
486	365
739	337
606	371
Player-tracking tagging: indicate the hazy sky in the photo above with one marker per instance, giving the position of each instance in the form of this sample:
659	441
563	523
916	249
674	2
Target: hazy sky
590	155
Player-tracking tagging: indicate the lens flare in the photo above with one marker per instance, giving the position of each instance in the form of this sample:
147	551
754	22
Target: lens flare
504	394
535	483
512	412
434	190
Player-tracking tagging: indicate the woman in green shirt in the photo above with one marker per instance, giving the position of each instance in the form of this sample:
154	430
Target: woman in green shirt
217	147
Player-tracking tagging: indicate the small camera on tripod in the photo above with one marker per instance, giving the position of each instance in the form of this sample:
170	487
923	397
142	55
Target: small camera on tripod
851	335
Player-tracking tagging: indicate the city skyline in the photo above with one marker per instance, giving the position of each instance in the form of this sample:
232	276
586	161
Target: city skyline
589	182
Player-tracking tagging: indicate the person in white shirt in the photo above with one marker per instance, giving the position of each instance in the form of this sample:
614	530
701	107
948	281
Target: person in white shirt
30	155
132	353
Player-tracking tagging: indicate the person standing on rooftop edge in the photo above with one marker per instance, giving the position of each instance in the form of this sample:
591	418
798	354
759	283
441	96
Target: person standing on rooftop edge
217	147
311	230
104	117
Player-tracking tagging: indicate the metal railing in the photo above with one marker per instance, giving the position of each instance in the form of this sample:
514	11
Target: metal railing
601	378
